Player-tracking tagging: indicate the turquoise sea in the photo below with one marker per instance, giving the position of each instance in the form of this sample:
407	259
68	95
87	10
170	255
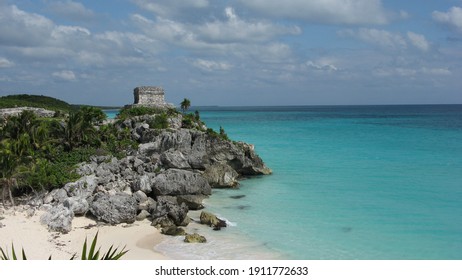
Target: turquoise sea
349	182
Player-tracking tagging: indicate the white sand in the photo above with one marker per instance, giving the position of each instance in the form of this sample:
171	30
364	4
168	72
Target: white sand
27	232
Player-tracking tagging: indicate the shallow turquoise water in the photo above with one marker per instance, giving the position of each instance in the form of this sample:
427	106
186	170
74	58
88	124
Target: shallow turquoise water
349	182
365	182
111	113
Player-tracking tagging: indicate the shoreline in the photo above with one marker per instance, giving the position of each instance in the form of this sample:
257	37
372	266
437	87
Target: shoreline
21	225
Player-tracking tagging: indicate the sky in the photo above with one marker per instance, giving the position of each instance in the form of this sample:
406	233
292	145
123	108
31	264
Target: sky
234	52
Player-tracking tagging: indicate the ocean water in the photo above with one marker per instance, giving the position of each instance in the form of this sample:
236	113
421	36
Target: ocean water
349	182
111	113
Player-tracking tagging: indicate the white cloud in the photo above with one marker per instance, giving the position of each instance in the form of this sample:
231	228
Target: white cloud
388	40
71	10
167	8
324	11
382	38
452	18
412	72
19	28
231	34
436	71
418	41
5	63
234	29
210	65
35	38
65	75
322	64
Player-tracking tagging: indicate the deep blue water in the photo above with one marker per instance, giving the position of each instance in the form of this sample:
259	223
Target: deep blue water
349	182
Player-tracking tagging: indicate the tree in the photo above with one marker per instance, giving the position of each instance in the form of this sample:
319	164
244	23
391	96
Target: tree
185	104
79	130
9	164
92	115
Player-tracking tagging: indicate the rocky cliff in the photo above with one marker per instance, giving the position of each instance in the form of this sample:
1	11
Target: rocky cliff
40	112
171	172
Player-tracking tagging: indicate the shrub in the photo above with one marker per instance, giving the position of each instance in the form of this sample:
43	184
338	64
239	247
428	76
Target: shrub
159	122
92	254
138	111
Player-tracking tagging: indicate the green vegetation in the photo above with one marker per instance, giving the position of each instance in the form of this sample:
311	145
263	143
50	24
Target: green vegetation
110	254
185	104
39	101
140	111
221	135
41	153
192	121
159	122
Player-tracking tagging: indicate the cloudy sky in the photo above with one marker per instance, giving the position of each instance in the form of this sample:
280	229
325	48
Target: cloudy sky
234	52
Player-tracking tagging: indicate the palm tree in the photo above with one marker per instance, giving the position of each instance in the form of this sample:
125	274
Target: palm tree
185	104
92	115
78	129
18	139
9	163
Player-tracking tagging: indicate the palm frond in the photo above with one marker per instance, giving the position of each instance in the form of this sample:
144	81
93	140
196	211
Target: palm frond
92	254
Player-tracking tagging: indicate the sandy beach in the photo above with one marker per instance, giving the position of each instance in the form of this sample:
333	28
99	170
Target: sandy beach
22	227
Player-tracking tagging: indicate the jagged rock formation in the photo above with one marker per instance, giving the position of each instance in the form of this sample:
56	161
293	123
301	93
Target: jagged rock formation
40	112
171	172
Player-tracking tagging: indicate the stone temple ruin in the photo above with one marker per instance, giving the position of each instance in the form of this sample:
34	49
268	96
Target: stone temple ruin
150	96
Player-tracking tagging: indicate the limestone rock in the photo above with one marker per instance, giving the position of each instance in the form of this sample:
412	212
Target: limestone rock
114	209
221	175
195	238
180	182
149	205
173	231
174	159
59	195
58	218
162	222
140	196
84	187
39	112
143	215
194	202
209	219
143	183
168	207
78	205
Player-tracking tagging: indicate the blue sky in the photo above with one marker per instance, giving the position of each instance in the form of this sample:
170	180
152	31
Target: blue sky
234	52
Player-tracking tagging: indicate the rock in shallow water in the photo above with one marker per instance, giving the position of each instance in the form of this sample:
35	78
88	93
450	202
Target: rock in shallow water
194	238
173	231
207	218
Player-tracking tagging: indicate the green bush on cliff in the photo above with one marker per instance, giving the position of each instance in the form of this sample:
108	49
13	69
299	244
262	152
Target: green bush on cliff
159	122
220	135
191	121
